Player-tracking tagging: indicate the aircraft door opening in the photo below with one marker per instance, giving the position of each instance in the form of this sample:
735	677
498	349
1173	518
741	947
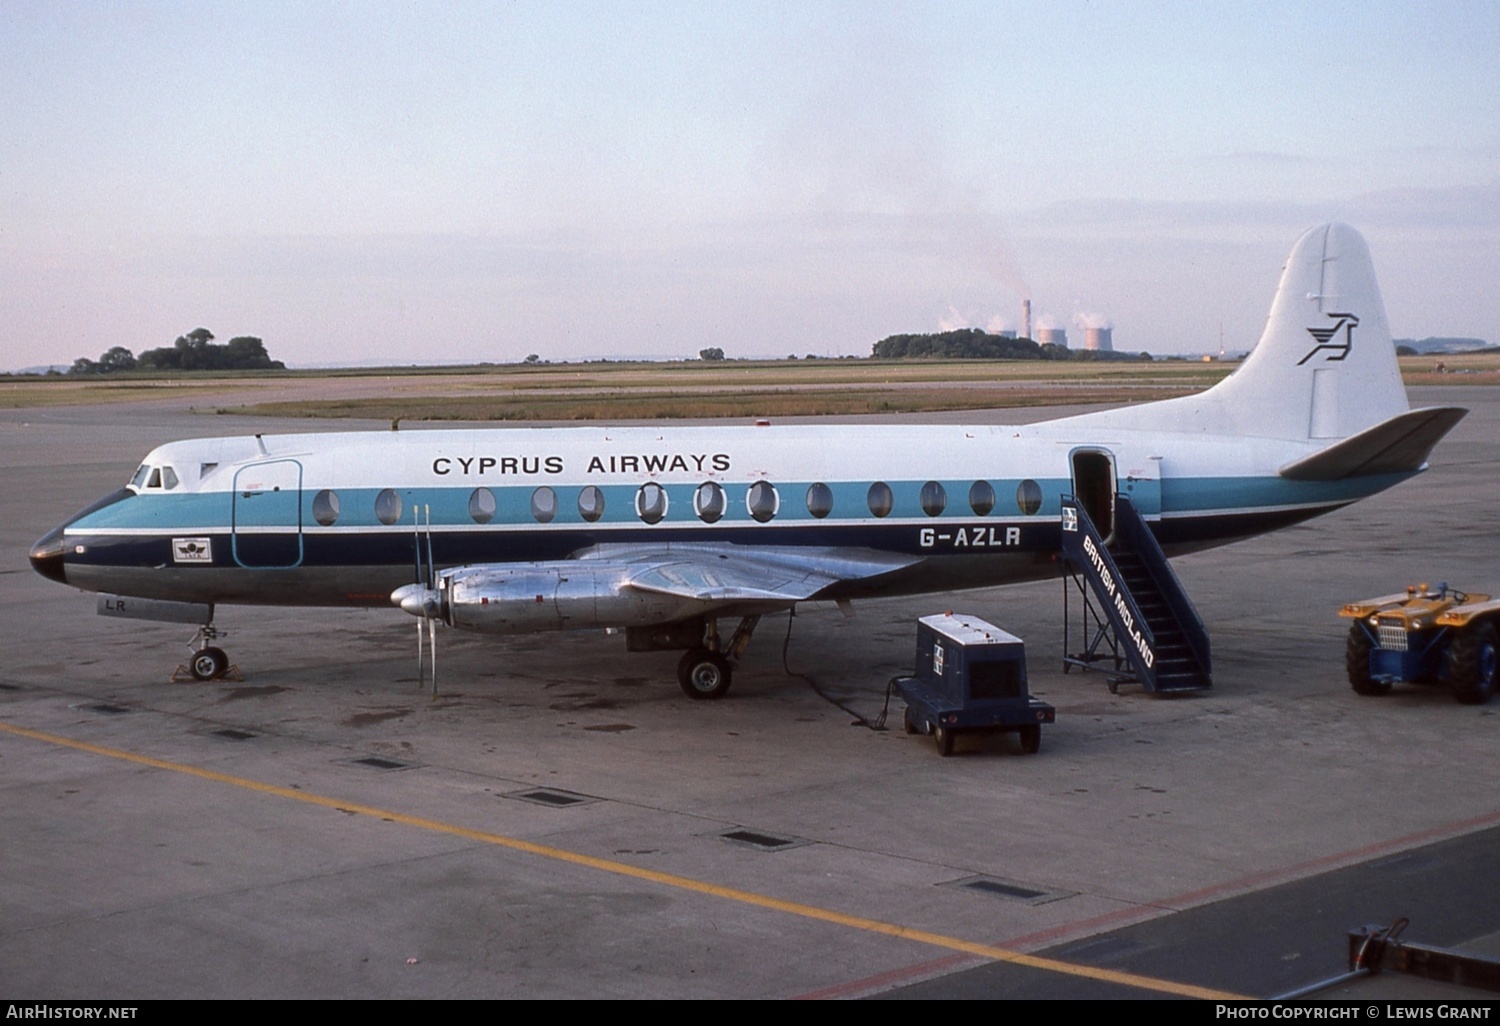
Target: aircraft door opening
267	520
1094	488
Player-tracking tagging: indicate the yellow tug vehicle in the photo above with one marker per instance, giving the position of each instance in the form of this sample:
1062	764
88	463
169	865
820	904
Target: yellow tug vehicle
1425	636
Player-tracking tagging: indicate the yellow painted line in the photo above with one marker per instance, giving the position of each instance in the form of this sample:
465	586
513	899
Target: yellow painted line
794	908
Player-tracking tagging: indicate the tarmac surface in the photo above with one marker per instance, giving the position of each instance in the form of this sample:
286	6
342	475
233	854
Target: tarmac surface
234	840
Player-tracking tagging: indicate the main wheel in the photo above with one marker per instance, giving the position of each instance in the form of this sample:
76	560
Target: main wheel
1472	662
943	737
703	674
1357	663
208	663
1031	738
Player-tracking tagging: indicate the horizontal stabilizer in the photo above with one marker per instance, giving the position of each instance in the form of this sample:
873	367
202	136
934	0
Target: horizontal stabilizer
1398	445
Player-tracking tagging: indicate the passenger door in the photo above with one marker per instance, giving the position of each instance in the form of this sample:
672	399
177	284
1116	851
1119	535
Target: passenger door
267	517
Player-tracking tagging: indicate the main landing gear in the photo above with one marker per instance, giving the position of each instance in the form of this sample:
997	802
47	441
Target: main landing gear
705	670
208	661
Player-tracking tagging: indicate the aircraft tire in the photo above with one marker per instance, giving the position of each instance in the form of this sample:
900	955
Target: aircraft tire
1472	662
208	663
1031	739
704	674
942	737
1357	663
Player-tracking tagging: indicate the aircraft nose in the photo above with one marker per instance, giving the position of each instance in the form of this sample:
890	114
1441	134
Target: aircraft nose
47	556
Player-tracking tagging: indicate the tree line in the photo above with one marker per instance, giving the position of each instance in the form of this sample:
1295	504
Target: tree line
194	351
976	344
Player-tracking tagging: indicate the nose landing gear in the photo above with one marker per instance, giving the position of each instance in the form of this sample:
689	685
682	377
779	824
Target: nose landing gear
208	661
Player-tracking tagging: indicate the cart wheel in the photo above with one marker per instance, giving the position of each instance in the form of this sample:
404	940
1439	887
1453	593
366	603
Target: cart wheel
1357	663
911	728
943	737
1472	664
1031	739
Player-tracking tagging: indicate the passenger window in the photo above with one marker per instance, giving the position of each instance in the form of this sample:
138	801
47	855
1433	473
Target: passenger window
879	498
762	500
981	498
819	500
934	498
591	503
1028	497
388	507
325	508
482	505
651	502
543	505
708	502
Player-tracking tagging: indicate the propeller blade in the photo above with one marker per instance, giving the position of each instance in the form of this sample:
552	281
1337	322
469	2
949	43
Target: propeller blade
431	566
432	638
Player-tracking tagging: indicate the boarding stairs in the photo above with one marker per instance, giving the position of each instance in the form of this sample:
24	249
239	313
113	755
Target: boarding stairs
1136	618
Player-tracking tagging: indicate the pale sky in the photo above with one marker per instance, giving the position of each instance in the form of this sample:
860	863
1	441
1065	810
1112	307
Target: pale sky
422	183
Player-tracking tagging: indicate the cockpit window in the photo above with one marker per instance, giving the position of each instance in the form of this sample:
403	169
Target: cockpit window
148	476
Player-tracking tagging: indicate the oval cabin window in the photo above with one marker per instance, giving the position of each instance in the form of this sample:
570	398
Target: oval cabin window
934	499
325	508
651	502
482	506
708	502
762	500
819	500
981	498
388	506
543	505
591	503
1029	497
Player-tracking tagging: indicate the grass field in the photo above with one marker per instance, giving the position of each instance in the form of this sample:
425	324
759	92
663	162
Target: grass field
602	391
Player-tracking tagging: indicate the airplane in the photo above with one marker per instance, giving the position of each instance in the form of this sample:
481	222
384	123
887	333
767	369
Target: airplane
665	531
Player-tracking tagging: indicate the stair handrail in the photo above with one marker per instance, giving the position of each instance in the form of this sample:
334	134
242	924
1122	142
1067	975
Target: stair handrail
1083	545
1132	529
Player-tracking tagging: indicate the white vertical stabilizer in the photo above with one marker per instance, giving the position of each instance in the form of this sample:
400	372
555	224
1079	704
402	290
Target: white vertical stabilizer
1324	369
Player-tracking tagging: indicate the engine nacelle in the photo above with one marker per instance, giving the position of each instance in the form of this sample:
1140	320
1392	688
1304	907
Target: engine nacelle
515	600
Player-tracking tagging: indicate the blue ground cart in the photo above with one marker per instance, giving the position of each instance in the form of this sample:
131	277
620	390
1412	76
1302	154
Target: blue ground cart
970	676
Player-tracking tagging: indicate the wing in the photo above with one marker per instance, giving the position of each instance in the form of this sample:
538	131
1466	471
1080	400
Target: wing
632	586
735	574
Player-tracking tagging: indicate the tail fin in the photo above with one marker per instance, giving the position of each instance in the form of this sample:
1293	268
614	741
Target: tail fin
1324	369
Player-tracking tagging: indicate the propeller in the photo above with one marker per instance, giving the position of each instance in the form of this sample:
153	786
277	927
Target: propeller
423	598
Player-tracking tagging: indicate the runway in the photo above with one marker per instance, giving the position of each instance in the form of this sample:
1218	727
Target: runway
561	822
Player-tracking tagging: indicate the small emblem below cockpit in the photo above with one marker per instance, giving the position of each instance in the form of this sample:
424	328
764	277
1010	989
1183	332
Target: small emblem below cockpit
192	550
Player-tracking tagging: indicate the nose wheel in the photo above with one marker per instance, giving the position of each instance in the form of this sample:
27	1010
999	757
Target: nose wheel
207	661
